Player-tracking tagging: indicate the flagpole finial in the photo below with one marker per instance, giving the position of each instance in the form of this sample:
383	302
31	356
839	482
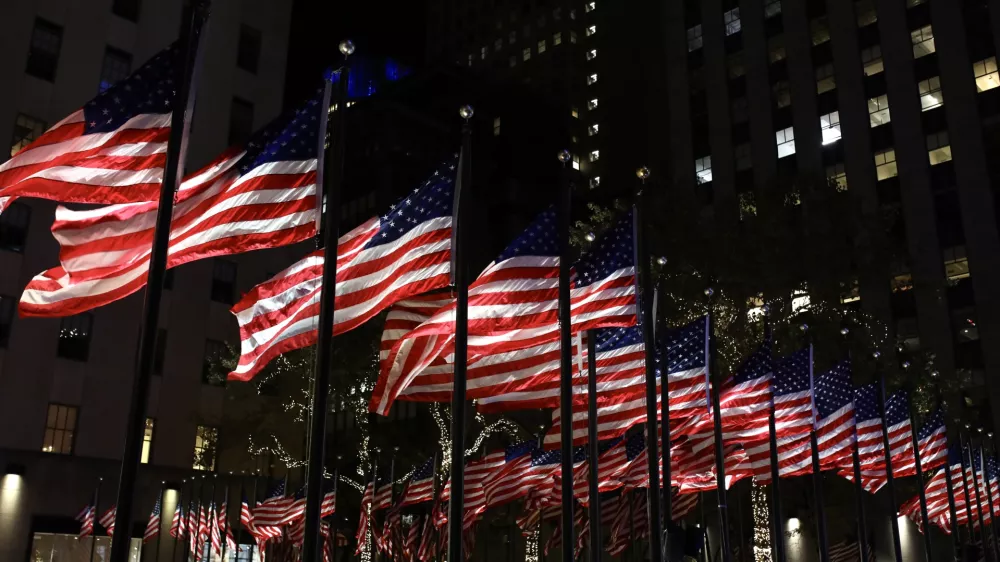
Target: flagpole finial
590	236
876	354
661	260
642	173
844	331
709	292
466	112
803	327
564	156
989	434
346	47
935	374
906	364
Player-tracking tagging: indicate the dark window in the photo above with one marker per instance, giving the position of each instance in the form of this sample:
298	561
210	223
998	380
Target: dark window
6	317
43	55
240	121
159	351
74	337
117	65
223	281
26	130
14	227
60	426
127	9
211	368
248	53
168	280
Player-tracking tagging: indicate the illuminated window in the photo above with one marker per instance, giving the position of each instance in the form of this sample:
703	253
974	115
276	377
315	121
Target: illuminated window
837	176
526	53
592	54
871	58
592	104
26	130
211	363
574	112
592	79
572	37
572	14
593	129
734	65
923	41
74	337
930	93
776	49
785	139
496	126
865	10
147	440
938	148
878	110
956	265
482	53
557	38
591	30
590	7
703	169
744	160
731	19
740	109
470	59
901	282
60	426
595	155
819	28
986	74
825	79
771	8
885	164
541	46
576	161
748	204
829	125
205	446
595	182
782	94
695	40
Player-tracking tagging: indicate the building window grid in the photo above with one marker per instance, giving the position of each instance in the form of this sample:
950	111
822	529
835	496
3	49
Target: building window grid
694	38
819	29
576	162
776	49
498	45
542	45
6	318
223	281
496	126
116	66
744	159
830	127
785	140
865	10
512	61
205	448
878	111
248	49
526	53
885	164
938	148
43	53
836	175
572	37
594	155
14	227
731	20
923	41
986	74
871	59
591	30
483	51
557	38
593	129
771	8
60	427
735	66
147	440
512	37
930	93
592	79
703	169
592	104
956	264
74	337
825	79
595	182
26	130
592	54
740	109
590	7
782	94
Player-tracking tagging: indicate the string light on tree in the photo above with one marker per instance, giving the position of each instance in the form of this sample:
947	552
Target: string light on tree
761	524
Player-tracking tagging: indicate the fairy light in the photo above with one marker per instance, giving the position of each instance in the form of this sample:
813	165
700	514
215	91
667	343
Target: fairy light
761	527
531	547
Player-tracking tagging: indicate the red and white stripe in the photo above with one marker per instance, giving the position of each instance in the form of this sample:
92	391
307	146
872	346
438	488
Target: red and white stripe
794	458
281	314
518	478
246	518
86	519
107	520
105	252
214	533
361	536
272	512
177	528
476	472
383	497
152	526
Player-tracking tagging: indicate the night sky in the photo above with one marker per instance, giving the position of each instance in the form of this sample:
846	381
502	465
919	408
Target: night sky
393	28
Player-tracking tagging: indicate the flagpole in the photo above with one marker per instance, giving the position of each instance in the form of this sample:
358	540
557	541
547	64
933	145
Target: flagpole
239	532
720	461
458	393
332	178
859	489
392	499
975	487
563	210
333	520
915	440
778	548
156	556
631	523
195	498
93	525
665	439
970	528
887	455
179	506
191	34
595	502
645	304
996	539
989	495
225	516
824	545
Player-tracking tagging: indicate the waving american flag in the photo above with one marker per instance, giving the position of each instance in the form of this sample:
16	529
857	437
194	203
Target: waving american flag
153	525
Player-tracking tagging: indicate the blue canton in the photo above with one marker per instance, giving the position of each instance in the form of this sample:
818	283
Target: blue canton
277	491
609	339
834	389
635	445
539	239
432	199
791	374
424	471
293	136
150	89
933	423
156	508
683	348
518	450
992	468
605	446
759	364
541	457
897	408
615	250
866	403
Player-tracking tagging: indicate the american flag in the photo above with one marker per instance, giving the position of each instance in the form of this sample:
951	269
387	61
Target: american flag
611	461
933	442
793	419
272	510
683	354
848	550
193	527
427	539
153	525
513	306
897	418
834	399
225	528
214	533
113	150
936	493
410	543
476	473
383	494
86	519
296	508
403	253
363	519
619	536
177	527
261	196
695	465
516	477
107	520
329	504
246	517
420	488
635	473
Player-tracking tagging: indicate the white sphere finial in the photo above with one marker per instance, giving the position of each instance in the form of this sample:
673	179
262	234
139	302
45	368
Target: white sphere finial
803	327
906	364
466	112
346	47
590	236
642	172
876	354
844	331
564	156
661	260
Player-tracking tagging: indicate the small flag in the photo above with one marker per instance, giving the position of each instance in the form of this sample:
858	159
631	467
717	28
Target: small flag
153	525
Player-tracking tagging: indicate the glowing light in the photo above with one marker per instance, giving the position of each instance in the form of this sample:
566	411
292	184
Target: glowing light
794	524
